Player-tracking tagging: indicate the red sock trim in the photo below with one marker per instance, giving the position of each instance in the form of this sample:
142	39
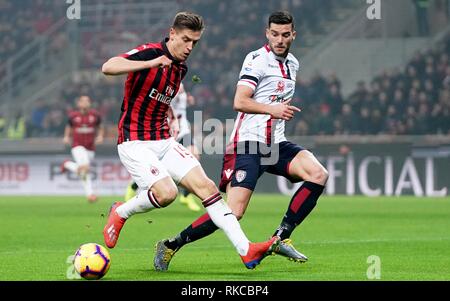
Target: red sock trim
153	200
202	219
212	199
299	199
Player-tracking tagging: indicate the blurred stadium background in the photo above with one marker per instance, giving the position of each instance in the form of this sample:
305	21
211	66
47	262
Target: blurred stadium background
375	96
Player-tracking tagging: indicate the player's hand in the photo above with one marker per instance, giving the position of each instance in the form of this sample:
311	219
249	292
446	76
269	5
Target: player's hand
190	99
66	140
174	128
99	140
160	62
284	110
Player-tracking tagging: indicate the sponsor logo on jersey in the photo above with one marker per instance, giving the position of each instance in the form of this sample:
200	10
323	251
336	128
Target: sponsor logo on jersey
160	97
240	175
170	90
247	69
276	98
84	130
255	55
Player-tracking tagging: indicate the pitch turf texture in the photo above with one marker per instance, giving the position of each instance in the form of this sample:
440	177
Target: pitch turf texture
410	236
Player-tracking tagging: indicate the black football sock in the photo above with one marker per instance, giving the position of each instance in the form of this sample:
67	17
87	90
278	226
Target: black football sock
302	203
200	228
134	186
184	191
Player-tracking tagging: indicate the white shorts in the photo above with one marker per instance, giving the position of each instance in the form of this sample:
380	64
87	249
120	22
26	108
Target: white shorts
150	161
82	155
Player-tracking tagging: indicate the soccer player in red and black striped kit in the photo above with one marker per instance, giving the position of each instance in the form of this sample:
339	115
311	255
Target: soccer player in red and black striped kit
83	131
154	159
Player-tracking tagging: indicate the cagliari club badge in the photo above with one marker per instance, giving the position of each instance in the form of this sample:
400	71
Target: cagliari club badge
240	175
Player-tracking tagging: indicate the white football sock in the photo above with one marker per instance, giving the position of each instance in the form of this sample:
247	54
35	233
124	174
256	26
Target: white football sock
72	166
87	184
139	204
223	217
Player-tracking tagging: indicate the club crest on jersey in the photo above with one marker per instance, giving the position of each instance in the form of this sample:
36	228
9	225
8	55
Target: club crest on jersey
170	90
240	175
280	86
154	170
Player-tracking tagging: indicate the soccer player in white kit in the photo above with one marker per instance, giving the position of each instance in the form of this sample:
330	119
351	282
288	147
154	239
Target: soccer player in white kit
258	144
154	159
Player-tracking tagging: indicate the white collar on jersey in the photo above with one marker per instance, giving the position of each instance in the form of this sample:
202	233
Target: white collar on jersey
272	54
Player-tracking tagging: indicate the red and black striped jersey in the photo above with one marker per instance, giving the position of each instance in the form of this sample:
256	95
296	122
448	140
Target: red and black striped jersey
84	128
147	95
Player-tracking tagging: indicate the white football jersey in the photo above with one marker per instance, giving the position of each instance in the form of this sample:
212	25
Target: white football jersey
179	106
273	80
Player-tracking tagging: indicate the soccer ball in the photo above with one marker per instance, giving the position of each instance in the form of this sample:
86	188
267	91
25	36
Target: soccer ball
92	261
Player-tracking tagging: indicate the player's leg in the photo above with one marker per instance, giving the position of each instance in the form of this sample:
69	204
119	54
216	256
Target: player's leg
68	165
237	199
72	166
187	198
156	188
297	164
186	170
160	194
82	159
91	195
131	190
219	215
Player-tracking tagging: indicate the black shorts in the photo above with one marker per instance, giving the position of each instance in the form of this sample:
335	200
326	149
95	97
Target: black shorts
245	163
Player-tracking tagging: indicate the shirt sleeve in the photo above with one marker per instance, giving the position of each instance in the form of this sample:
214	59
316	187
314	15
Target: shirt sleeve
99	120
70	120
252	70
141	53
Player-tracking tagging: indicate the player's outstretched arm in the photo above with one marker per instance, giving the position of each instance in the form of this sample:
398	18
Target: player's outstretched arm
118	65
100	134
243	102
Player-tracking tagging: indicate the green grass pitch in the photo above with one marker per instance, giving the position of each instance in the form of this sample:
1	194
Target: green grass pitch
411	237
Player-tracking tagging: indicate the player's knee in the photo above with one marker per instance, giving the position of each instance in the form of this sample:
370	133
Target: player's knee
239	215
83	169
204	187
166	194
319	175
210	186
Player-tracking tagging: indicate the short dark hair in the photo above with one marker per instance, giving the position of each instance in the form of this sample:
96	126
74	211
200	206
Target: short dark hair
281	17
187	20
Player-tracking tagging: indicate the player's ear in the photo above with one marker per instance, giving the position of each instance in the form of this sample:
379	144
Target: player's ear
172	33
267	33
